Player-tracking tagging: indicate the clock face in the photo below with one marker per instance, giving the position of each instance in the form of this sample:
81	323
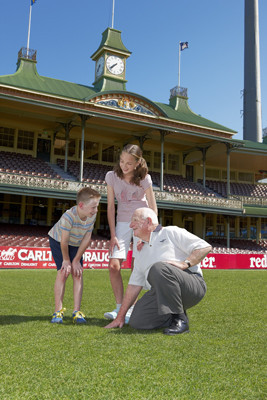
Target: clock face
99	67
115	65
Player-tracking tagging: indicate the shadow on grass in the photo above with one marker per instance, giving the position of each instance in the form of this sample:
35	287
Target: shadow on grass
19	319
127	330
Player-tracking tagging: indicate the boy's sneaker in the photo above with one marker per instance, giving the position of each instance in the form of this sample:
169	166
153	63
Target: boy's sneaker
78	317
57	317
112	314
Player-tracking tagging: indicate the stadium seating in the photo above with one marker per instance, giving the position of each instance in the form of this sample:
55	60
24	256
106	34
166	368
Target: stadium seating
237	189
92	173
238	246
95	173
36	236
178	184
25	164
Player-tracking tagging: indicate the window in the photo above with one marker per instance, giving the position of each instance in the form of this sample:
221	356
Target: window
168	217
7	136
243	228
173	162
245	176
91	150
147	157
232	226
157	160
25	140
36	210
253	228
220	228
213	173
60	146
232	175
264	228
209	225
110	153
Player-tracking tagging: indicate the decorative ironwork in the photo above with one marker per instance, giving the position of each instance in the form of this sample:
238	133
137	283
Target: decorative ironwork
27	53
178	91
70	186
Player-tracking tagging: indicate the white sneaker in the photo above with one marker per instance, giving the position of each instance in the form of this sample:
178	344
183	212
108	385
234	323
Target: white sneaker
112	314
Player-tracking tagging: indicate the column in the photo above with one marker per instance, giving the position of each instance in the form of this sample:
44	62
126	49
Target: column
83	118
161	159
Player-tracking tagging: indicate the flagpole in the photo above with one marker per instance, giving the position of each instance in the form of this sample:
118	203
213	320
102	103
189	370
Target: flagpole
29	29
179	65
113	7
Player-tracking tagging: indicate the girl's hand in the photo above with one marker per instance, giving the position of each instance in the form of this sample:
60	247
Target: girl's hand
66	268
113	242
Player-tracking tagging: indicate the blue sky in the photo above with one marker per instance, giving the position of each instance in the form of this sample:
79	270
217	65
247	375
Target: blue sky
66	33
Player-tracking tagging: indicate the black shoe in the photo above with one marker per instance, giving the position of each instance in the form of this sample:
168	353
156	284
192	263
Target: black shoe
177	326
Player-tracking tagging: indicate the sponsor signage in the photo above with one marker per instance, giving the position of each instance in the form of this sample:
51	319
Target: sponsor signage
234	261
41	258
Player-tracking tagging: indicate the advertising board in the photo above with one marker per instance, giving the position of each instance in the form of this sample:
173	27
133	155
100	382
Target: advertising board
41	258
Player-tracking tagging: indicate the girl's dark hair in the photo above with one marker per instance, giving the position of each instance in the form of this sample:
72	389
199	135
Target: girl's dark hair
141	170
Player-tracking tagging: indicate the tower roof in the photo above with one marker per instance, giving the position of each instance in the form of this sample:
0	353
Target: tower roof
111	40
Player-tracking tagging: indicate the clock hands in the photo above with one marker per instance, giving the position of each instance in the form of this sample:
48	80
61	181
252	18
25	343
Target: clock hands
115	65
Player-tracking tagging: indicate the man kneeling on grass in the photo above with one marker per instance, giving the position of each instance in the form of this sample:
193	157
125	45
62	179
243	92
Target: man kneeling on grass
168	264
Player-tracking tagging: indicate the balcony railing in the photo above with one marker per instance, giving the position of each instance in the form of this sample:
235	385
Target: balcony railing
70	186
178	91
27	53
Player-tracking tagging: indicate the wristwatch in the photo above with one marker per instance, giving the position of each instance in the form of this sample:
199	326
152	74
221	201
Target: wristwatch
188	263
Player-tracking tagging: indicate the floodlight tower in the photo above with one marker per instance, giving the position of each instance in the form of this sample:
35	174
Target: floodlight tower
252	124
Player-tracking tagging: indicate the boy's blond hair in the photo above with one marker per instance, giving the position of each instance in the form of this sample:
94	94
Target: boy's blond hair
86	194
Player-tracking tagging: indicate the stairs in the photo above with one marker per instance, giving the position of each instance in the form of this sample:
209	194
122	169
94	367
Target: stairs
62	173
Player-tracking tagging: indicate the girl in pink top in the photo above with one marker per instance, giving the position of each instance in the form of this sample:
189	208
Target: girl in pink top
131	185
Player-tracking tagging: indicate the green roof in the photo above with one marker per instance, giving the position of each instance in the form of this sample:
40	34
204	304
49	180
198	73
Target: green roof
27	77
248	144
182	112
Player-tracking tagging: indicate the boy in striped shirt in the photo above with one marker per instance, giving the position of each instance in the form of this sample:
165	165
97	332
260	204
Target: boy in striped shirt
69	238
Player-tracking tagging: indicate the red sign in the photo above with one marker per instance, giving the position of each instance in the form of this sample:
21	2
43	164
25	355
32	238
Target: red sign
41	258
234	261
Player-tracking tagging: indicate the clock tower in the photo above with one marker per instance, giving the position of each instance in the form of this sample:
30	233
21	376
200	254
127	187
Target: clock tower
110	62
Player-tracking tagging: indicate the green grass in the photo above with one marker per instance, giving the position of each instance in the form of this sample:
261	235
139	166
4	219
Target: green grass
223	356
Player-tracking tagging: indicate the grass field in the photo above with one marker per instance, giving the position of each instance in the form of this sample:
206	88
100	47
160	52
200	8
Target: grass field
223	356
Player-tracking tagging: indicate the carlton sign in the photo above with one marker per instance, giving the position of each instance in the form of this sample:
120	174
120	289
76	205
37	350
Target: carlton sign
41	258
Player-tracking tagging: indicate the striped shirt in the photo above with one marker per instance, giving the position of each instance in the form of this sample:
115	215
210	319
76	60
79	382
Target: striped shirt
71	222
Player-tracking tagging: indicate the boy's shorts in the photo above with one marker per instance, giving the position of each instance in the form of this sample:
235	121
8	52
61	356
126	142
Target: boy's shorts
124	235
57	253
